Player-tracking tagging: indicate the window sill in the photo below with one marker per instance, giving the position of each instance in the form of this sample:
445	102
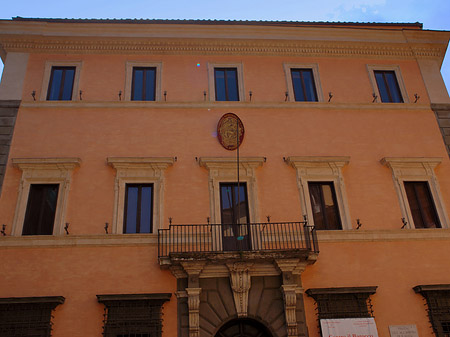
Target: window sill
429	234
31	241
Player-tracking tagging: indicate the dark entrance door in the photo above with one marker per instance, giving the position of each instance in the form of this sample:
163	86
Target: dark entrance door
235	218
243	327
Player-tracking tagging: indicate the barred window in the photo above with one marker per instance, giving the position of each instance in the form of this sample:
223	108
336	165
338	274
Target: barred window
438	302
135	315
27	316
352	302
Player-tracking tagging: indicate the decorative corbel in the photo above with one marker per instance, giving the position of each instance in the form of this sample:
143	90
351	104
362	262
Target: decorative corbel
240	284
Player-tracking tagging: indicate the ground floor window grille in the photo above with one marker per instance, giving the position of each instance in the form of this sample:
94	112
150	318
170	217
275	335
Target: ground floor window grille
351	302
438	303
135	315
27	316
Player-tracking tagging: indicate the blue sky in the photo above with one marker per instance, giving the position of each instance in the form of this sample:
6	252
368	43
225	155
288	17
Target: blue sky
434	14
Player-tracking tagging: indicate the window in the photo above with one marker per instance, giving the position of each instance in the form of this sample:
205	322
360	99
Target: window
324	205
303	82
388	87
234	215
322	190
143	81
418	191
387	83
41	209
138	208
144	84
351	302
438	302
135	315
226	82
43	195
60	87
61	81
27	316
421	204
139	192
303	85
222	177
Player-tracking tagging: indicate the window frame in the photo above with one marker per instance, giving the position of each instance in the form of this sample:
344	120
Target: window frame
333	189
140	186
47	76
129	72
212	80
420	169
371	68
43	171
223	170
139	170
314	67
322	169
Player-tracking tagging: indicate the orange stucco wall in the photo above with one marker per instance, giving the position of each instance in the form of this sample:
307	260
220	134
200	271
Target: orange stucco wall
349	126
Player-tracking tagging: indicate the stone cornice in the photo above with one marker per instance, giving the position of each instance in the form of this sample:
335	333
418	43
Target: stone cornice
224	46
46	163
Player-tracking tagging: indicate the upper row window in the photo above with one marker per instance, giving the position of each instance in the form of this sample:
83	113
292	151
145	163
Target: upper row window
225	82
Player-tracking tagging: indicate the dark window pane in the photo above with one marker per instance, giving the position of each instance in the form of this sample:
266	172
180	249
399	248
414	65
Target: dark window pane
388	86
138	208
61	84
41	209
226	84
232	207
324	205
421	205
303	85
143	84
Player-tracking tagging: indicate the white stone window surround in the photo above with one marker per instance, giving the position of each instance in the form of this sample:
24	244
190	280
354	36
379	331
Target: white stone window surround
290	88
383	67
224	170
76	81
211	79
326	169
129	78
416	169
133	170
44	171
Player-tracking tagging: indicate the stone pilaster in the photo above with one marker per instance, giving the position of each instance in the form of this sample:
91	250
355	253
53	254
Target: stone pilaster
194	311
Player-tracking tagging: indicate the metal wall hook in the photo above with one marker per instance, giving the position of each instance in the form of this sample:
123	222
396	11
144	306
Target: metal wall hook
358	224
268	218
81	93
286	96
330	96
106	227
417	98
120	95
170	220
66	228
405	223
3	232
34	95
165	96
204	95
250	94
374	97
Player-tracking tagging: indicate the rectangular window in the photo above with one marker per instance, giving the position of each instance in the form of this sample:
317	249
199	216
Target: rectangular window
388	86
324	205
138	217
421	204
143	84
60	87
226	84
303	85
235	218
41	209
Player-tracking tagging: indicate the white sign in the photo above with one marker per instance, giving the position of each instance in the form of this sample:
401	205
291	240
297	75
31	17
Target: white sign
403	330
349	327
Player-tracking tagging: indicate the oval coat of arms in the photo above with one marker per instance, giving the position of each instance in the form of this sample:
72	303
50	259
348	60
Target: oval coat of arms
228	128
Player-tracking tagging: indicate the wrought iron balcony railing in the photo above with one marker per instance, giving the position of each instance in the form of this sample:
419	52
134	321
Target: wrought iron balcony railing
217	238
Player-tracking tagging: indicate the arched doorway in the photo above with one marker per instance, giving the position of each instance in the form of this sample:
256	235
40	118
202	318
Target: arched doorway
243	327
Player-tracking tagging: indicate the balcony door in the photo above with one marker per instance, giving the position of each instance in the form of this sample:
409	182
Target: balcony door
235	217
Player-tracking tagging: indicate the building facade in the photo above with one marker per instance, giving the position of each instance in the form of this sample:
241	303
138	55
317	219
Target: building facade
222	178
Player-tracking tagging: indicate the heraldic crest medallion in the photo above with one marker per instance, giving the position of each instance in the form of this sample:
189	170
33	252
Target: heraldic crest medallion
228	129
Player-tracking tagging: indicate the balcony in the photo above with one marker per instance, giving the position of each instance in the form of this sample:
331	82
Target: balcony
222	242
